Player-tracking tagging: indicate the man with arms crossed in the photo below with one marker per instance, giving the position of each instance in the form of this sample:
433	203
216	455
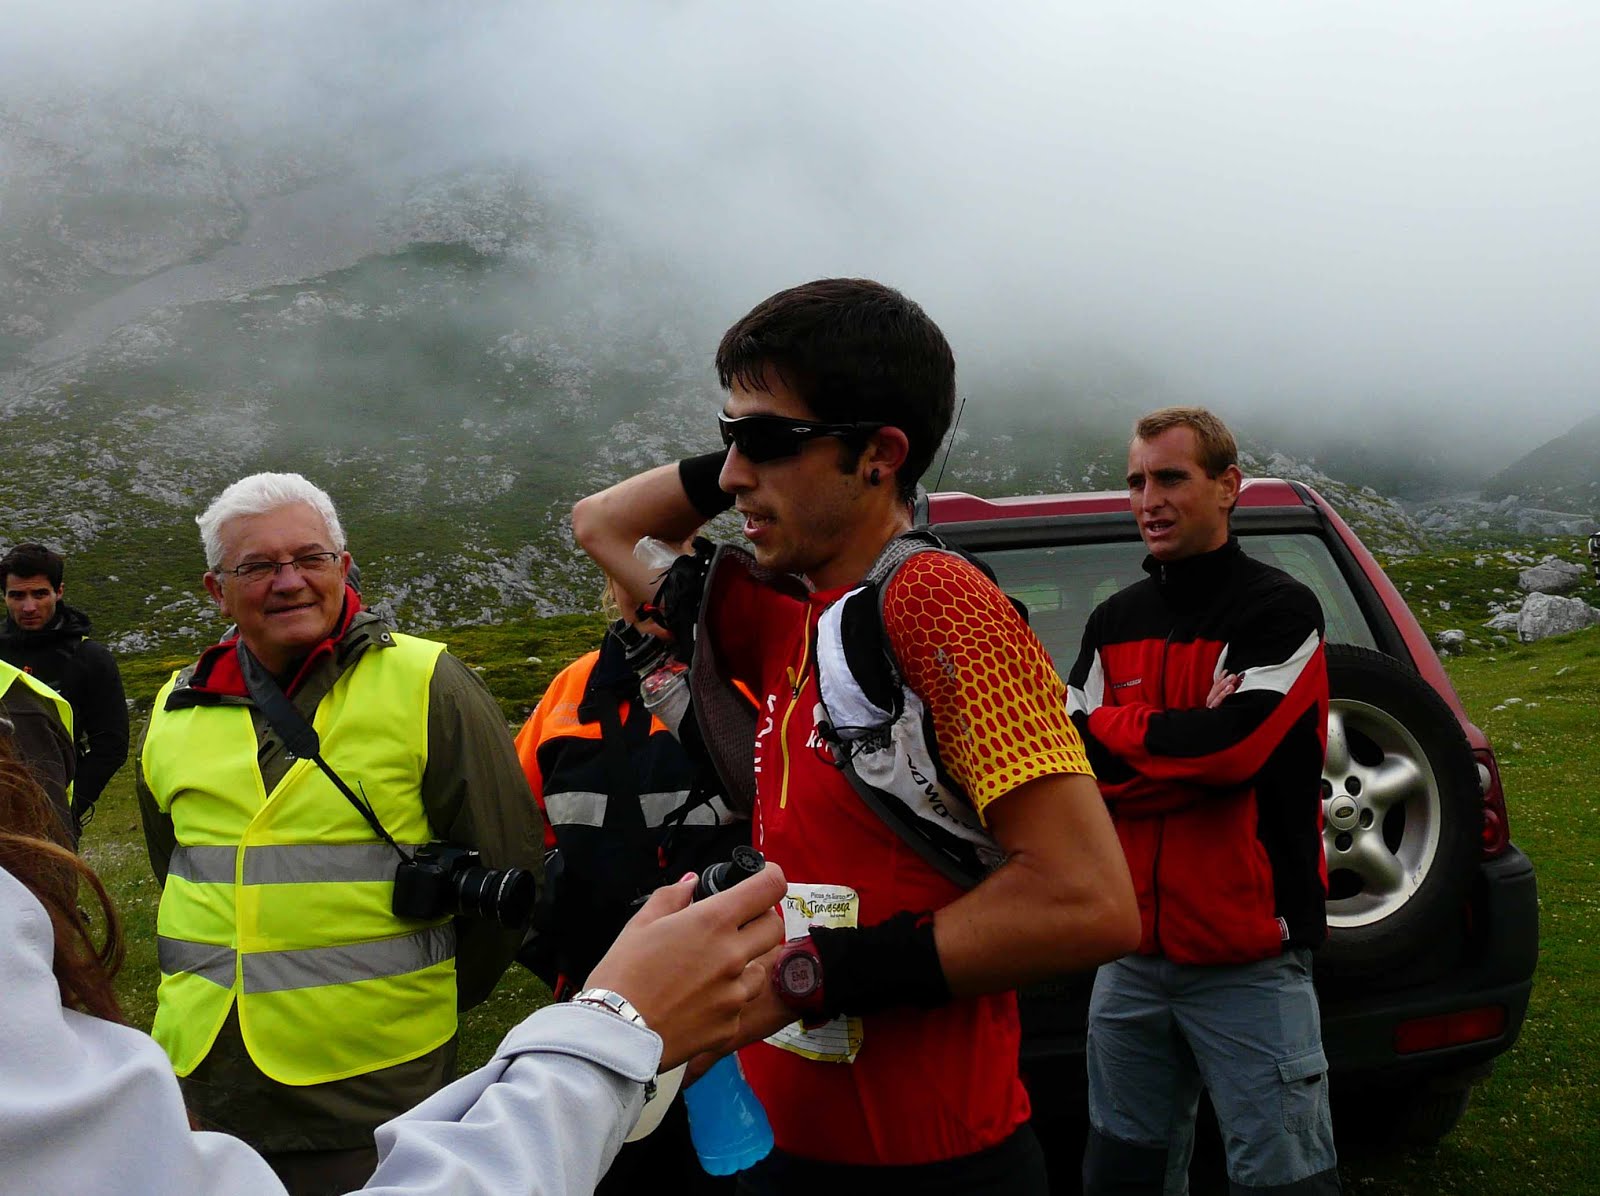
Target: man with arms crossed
839	392
1202	696
299	1009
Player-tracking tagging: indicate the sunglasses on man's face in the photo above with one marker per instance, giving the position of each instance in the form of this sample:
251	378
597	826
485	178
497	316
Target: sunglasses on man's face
770	437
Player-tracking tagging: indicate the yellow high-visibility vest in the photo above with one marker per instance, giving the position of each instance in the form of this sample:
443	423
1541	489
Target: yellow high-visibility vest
10	674
281	901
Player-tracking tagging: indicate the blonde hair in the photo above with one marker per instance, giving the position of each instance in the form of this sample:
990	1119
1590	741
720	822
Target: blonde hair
1217	448
611	599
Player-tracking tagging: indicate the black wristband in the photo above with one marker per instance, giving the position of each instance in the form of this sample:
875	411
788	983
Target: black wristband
698	476
869	968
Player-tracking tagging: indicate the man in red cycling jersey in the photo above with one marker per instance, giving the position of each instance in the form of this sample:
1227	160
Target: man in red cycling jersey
890	1053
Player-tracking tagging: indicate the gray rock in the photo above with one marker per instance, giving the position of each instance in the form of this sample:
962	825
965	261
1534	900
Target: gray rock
1551	576
1451	642
1545	615
1506	620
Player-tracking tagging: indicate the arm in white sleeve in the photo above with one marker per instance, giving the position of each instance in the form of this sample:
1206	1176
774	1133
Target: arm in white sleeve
88	1105
546	1115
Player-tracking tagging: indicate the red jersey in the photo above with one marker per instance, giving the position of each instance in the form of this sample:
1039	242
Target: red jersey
927	1085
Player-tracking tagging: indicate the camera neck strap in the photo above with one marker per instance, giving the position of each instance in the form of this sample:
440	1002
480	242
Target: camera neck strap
300	738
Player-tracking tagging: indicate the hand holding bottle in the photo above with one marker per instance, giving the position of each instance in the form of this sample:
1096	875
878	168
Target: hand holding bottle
689	967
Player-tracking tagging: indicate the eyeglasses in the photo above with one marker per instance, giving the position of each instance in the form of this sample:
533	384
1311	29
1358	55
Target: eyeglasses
768	437
313	564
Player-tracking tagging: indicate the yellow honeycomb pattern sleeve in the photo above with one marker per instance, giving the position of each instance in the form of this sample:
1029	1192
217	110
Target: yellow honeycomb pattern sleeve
998	708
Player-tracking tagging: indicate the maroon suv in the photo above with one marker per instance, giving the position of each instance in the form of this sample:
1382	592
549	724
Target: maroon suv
1432	912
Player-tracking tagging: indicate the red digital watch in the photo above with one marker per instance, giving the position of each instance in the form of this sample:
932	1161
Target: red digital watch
797	977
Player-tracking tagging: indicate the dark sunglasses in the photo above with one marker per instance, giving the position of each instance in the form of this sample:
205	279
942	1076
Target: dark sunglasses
769	437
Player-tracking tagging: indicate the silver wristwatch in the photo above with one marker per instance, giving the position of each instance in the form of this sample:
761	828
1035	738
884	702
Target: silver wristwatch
615	1002
612	1002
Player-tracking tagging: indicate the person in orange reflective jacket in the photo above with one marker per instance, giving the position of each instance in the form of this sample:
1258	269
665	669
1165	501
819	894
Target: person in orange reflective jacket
627	809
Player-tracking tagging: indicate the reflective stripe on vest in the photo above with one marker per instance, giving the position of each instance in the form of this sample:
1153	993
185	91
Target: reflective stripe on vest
281	864
206	960
278	971
281	901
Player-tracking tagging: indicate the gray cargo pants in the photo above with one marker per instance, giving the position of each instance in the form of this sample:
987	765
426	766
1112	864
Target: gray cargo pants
1249	1034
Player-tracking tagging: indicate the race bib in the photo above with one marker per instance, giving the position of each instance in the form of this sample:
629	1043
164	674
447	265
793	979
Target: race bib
805	906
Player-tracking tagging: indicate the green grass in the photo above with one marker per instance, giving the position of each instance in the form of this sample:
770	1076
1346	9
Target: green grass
1533	1127
1453	587
518	660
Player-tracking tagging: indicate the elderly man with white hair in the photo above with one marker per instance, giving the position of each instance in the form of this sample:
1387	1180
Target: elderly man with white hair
298	1009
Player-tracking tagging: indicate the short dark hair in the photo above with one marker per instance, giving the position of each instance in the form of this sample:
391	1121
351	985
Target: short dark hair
852	350
30	560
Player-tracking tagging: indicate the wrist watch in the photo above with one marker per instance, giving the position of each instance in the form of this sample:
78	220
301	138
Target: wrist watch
615	1002
797	977
612	1002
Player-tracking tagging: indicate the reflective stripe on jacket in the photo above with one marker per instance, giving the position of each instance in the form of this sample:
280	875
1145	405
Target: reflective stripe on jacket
281	900
625	805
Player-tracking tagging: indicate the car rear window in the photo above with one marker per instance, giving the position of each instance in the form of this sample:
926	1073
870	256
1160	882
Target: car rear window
1062	583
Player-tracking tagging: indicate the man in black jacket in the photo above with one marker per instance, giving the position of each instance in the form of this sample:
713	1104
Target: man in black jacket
49	640
1201	694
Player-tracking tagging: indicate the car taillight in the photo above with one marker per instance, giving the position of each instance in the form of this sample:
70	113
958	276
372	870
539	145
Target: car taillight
1450	1029
1496	826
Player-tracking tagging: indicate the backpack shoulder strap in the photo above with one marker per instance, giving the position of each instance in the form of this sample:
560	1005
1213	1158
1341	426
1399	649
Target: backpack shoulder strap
877	692
724	719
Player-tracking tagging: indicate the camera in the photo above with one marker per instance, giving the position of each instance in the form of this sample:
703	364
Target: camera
445	878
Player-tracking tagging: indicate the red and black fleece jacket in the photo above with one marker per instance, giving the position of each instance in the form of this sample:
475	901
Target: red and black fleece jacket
1219	810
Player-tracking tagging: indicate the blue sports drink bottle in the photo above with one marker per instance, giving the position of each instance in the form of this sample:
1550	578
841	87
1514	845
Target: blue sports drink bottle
727	1124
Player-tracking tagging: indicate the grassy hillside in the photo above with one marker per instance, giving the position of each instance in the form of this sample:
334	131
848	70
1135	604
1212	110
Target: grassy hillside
1563	473
1458	588
456	397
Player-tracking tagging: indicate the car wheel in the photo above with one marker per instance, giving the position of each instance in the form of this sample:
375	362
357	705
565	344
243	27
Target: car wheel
1415	1116
1402	815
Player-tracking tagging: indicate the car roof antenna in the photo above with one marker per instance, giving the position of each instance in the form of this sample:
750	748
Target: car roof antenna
951	443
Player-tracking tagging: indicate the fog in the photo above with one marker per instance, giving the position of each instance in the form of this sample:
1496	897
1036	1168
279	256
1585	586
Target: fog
1357	215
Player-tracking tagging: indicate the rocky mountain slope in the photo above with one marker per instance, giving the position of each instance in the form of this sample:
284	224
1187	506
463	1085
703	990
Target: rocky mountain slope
457	356
1563	473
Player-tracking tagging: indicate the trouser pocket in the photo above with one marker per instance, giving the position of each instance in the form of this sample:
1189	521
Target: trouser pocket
1305	1088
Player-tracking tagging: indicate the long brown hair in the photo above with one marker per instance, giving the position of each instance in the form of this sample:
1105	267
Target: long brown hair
33	849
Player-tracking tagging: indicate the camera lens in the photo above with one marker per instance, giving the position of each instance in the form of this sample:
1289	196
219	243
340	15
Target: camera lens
503	895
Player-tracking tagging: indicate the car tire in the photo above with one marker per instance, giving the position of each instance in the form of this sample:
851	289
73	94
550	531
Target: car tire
1410	1117
1402	819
